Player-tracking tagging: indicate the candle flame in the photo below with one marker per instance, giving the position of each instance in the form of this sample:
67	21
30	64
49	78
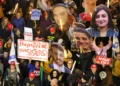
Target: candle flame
91	14
61	26
16	6
108	3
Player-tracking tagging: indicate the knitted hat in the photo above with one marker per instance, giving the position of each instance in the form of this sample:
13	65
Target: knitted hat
93	66
12	63
31	75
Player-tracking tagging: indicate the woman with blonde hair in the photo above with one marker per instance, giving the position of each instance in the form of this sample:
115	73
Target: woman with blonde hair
4	32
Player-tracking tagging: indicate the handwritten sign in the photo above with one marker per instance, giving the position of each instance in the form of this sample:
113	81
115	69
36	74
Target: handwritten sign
35	15
28	34
33	49
103	60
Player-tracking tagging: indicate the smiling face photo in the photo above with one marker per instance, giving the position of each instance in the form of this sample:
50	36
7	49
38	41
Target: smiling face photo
102	19
81	38
60	14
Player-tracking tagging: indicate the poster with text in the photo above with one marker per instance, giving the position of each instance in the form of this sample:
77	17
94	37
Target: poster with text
33	49
28	34
35	15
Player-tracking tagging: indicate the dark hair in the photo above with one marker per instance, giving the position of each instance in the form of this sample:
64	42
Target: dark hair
38	29
100	42
80	28
9	38
51	74
106	9
61	5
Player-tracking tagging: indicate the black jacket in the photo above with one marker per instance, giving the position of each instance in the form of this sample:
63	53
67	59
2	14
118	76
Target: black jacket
27	81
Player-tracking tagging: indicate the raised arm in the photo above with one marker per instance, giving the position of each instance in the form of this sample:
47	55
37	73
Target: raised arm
94	46
108	45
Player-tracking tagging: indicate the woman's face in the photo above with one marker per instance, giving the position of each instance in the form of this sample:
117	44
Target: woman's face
10	41
54	73
6	21
101	44
101	19
12	67
18	32
31	4
82	40
36	64
38	32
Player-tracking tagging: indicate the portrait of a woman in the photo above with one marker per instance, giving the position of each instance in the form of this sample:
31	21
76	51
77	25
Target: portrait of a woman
102	25
82	39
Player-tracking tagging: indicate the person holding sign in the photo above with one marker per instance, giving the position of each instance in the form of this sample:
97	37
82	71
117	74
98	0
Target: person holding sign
102	25
38	36
35	68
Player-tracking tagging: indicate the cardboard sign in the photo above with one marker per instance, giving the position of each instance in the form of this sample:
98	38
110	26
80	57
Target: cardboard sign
103	60
33	49
28	34
35	15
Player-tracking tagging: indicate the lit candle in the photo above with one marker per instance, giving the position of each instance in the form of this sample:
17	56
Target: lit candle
108	3
16	6
91	14
61	26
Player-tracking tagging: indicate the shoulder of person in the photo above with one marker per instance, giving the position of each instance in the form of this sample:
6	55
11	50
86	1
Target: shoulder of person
67	70
51	65
89	29
116	32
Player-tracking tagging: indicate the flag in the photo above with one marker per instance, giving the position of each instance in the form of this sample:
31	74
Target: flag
12	56
115	45
41	73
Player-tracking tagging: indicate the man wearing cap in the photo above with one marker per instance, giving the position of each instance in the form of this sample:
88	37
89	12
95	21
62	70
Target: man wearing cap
51	34
95	78
31	81
58	56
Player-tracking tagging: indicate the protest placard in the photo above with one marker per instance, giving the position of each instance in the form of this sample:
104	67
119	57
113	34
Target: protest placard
28	34
35	15
103	60
33	49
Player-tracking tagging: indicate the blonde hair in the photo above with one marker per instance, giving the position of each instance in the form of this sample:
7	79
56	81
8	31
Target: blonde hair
3	22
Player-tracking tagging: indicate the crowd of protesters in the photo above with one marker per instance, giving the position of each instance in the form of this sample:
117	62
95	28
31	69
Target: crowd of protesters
76	35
